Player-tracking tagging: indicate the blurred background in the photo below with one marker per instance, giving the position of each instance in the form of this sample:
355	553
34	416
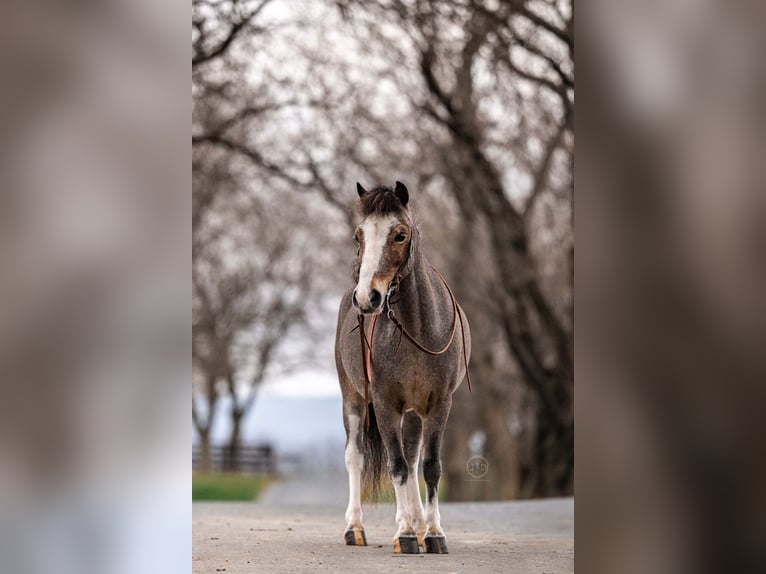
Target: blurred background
471	104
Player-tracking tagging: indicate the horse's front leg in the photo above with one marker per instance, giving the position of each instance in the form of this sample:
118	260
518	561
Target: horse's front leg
353	420
390	427
412	440
433	428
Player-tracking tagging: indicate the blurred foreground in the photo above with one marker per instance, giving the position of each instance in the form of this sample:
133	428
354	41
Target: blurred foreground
671	277
94	295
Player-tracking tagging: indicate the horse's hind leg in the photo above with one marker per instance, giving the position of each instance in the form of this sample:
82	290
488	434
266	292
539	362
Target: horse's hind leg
412	439
353	420
435	541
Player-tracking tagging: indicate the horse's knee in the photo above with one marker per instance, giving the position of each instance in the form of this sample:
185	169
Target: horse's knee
412	459
432	469
398	469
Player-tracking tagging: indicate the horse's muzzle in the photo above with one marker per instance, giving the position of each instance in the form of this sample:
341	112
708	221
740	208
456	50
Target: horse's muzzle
373	305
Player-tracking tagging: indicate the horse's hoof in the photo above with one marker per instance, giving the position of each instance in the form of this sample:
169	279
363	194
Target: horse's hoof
355	537
406	545
436	545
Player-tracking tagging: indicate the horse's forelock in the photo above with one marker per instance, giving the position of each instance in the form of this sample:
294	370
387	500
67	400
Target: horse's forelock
380	201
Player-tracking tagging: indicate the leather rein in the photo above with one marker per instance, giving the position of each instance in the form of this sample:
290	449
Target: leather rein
366	340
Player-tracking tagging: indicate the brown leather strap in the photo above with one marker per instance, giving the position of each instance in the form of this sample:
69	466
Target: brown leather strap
366	343
366	362
456	317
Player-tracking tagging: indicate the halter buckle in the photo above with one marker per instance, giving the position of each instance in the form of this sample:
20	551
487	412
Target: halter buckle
392	287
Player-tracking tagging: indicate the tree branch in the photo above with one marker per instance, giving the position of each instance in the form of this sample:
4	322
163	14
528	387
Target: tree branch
203	55
542	171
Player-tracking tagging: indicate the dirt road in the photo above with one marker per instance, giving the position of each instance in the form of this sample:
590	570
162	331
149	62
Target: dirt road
286	533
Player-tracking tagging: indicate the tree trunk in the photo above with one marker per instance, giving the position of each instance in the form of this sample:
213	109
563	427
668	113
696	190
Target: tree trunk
535	335
232	450
548	468
536	338
463	420
455	452
545	363
205	455
500	449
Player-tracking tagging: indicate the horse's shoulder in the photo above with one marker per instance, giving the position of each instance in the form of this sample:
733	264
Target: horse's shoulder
345	301
344	307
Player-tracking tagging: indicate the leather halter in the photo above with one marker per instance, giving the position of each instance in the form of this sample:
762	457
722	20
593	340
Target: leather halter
366	340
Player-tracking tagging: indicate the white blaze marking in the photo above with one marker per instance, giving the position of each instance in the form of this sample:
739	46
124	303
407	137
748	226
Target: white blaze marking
375	231
354	464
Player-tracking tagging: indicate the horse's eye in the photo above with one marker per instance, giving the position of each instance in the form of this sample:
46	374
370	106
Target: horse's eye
400	237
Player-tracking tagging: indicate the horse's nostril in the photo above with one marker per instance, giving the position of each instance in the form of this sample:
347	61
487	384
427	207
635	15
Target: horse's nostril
375	298
353	299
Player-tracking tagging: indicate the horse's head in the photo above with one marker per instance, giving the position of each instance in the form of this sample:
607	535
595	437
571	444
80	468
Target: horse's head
385	241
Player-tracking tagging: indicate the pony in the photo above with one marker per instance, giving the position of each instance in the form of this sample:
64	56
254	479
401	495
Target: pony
397	393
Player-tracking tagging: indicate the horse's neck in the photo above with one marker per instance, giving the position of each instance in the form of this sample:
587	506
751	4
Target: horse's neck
417	294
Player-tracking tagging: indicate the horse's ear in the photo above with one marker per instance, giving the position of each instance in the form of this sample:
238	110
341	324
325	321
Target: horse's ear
360	190
401	192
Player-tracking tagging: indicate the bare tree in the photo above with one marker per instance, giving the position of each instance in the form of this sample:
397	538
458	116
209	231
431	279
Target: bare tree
539	337
244	307
250	281
495	100
217	24
470	101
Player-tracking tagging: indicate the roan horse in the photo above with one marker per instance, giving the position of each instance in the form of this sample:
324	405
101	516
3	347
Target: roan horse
397	394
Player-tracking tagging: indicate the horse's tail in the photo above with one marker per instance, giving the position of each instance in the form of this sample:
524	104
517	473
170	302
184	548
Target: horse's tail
374	471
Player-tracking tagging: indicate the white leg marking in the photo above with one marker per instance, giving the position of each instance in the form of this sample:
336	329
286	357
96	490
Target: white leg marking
354	465
403	512
433	518
375	233
415	502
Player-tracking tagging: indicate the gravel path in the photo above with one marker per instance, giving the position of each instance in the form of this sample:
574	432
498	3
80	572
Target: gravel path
289	533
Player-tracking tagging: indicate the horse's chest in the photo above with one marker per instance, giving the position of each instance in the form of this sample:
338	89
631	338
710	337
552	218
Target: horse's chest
412	386
401	383
399	373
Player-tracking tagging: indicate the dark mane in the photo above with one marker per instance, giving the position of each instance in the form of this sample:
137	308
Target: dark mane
380	201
